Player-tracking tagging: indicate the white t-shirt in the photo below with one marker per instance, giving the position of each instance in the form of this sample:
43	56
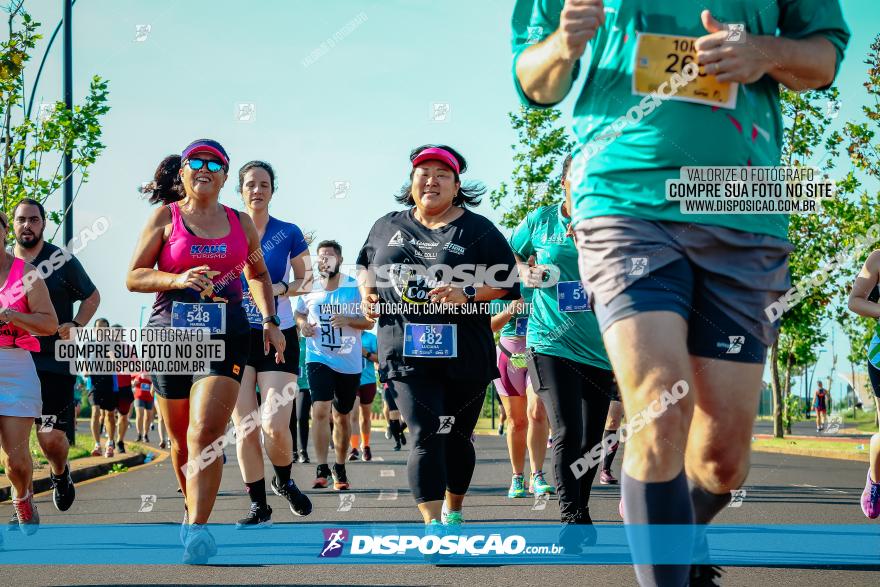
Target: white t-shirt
338	348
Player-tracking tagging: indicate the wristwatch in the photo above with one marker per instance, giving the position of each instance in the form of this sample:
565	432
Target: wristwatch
75	323
470	293
273	319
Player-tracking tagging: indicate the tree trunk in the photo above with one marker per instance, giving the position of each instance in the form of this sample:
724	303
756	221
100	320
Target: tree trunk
787	383
777	390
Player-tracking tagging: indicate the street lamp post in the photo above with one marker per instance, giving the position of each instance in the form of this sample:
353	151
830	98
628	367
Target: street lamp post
68	102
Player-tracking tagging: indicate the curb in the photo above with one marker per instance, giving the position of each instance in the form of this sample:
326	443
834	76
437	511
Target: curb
91	471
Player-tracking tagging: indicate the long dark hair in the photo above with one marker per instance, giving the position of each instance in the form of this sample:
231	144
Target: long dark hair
166	186
256	164
469	193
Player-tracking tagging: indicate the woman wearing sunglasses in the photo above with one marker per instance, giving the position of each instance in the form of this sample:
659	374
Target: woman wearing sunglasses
24	310
191	253
284	247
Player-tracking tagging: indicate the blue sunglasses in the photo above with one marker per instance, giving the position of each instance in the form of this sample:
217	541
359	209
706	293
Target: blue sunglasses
196	164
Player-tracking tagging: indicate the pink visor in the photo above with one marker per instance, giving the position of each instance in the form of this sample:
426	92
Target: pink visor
436	154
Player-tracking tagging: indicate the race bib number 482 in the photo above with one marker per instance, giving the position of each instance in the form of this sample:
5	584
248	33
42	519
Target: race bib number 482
658	57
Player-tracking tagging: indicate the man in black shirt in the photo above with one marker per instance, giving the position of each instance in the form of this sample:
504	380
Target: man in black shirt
67	283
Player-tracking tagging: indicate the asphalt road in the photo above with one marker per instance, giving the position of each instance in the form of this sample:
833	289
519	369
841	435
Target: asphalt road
781	490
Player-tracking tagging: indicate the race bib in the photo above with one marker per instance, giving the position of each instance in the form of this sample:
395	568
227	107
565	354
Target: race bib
432	341
658	57
210	316
522	325
571	297
254	316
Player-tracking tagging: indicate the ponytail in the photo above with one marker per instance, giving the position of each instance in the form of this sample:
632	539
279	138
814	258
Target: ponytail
166	186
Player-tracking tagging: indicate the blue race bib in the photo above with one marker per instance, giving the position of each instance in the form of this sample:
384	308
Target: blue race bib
210	316
522	325
254	316
571	297
431	341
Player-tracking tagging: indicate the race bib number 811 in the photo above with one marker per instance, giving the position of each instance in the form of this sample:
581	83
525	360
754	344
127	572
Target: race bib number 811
659	57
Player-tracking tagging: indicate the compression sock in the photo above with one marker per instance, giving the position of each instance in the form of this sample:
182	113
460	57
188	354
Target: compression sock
707	505
282	474
257	492
366	436
609	456
355	441
394	425
666	502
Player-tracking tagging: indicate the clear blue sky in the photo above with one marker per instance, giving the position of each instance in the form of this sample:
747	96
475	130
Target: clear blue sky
351	116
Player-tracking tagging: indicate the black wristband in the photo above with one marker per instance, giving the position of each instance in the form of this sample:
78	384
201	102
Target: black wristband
286	287
75	323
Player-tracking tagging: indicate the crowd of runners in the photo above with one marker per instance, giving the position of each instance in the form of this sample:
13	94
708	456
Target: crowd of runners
603	304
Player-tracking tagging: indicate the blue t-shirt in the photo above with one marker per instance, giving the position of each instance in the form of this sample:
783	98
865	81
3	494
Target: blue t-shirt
370	344
281	242
338	348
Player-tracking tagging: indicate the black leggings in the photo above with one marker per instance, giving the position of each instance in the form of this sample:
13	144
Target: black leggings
577	397
301	416
874	375
442	456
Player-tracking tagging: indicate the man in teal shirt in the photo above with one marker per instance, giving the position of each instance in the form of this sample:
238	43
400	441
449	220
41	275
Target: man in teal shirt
679	299
568	366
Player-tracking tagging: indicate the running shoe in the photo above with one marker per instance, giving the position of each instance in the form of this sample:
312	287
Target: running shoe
589	531
340	479
299	503
549	441
63	490
871	498
571	537
501	430
121	446
354	455
368	455
606	478
517	487
403	427
162	444
304	457
257	517
13	522
108	453
27	514
322	477
434	528
397	445
139	438
450	518
146	438
705	576
199	545
540	486
96	452
387	432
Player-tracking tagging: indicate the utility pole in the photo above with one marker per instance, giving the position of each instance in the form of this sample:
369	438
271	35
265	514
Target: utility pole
68	102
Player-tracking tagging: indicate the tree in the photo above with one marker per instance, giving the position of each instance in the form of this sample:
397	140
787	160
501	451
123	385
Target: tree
540	148
34	145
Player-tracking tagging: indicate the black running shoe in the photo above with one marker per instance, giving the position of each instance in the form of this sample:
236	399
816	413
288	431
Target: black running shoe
705	576
354	455
340	478
368	454
304	456
299	502
121	446
397	445
63	490
402	437
257	517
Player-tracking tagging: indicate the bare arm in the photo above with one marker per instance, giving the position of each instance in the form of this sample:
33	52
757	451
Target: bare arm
255	270
87	308
500	319
865	281
302	275
42	319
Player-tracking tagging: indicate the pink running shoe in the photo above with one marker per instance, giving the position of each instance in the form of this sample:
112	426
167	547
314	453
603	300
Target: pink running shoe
871	498
606	478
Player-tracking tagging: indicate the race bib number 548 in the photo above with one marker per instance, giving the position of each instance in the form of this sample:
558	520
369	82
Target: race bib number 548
659	57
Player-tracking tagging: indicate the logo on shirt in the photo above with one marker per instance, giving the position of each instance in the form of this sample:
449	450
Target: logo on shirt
204	251
422	244
396	240
453	248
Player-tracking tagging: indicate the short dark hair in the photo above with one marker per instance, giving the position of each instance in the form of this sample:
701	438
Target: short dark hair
102	320
256	165
31	202
566	165
330	244
469	193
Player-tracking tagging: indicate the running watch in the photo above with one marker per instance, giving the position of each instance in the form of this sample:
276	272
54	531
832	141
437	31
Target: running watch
273	319
470	293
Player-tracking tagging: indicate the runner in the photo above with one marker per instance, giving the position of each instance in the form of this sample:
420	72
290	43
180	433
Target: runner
329	319
697	322
567	361
104	401
527	416
863	301
192	251
612	425
283	248
299	418
143	405
124	398
360	418
821	401
437	359
67	284
24	310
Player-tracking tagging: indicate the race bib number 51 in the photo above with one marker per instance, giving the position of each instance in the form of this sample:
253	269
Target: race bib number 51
659	57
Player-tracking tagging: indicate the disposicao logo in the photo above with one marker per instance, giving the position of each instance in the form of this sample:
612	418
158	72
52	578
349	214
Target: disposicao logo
334	541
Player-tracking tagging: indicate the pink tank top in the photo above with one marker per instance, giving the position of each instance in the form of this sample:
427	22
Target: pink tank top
226	256
13	296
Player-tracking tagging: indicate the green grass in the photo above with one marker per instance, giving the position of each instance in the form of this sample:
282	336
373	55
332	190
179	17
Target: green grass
863	422
82	448
812	445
